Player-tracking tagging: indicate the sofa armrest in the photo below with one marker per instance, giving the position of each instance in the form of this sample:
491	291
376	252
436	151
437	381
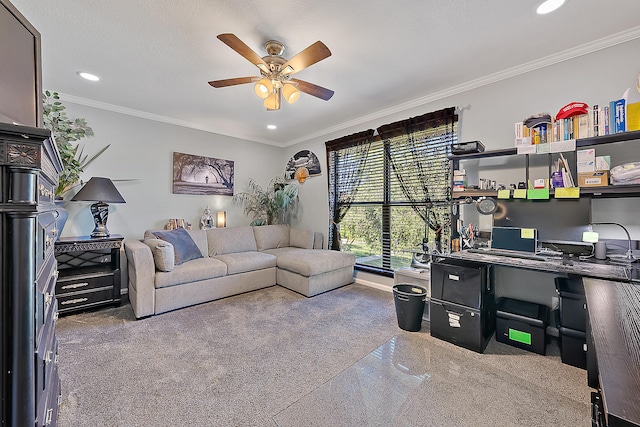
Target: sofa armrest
142	273
318	240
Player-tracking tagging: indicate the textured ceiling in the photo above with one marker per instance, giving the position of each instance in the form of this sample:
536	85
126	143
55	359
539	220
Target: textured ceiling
155	57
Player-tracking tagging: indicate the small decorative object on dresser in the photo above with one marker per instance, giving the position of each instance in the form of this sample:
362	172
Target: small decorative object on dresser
89	272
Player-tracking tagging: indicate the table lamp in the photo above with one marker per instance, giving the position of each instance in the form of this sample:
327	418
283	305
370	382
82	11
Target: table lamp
102	191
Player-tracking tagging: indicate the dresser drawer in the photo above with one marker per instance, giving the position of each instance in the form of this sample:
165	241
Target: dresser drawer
83	283
46	191
87	299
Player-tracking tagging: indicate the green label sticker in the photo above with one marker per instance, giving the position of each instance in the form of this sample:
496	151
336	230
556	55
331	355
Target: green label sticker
520	336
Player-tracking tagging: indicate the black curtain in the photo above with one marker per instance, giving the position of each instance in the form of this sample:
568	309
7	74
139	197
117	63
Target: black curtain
346	160
415	163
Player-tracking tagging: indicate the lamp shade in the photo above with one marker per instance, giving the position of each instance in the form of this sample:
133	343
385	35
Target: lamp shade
290	93
99	190
263	88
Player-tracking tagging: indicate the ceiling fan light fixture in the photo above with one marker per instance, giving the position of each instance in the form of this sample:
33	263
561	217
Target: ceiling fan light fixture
272	102
290	93
263	88
287	70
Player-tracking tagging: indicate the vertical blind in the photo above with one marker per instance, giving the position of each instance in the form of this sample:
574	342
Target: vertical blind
405	166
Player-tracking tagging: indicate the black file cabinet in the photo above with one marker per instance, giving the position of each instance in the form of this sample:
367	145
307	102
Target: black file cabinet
462	303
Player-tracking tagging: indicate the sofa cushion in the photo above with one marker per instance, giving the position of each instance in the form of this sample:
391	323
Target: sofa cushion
271	236
310	262
301	238
184	248
230	240
163	256
192	271
242	262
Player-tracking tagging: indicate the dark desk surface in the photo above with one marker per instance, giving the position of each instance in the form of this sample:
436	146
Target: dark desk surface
614	314
601	270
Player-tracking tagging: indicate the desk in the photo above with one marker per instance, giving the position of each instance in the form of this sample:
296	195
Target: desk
614	316
601	270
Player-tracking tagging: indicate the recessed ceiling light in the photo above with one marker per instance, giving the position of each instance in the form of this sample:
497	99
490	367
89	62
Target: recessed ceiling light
549	6
271	127
88	76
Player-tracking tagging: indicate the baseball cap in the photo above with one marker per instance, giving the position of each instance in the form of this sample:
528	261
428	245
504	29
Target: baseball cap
572	109
537	120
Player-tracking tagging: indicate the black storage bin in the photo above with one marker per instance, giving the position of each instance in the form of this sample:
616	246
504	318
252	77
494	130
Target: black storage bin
572	303
461	282
573	347
409	301
522	324
464	326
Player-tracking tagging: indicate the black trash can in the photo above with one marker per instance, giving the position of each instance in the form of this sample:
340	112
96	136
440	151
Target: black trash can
409	300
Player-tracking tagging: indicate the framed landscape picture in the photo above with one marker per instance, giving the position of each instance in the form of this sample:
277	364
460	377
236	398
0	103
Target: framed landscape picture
202	175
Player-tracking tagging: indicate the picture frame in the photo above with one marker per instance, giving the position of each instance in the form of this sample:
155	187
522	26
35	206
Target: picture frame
201	175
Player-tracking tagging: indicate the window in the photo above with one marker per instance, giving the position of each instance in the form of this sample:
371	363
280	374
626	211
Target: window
390	191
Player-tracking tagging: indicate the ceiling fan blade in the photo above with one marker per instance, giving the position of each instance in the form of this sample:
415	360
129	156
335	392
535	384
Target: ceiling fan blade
314	53
314	90
232	82
239	46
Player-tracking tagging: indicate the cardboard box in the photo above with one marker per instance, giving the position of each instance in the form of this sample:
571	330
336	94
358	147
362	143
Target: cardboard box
593	179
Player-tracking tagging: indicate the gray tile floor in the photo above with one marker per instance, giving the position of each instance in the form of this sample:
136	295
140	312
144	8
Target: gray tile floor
417	380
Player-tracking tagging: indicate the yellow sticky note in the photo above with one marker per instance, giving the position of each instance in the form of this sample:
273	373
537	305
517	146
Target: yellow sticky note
520	193
504	194
527	233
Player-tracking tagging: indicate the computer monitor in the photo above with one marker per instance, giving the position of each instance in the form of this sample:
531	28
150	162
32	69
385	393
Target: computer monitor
557	220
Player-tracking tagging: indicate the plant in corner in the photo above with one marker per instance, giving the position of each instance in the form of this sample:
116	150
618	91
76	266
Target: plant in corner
268	206
65	131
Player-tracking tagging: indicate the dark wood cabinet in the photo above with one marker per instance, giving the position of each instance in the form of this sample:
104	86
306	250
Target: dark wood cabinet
90	273
30	165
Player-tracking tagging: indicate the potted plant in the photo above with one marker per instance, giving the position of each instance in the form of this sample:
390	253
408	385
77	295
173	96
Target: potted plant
65	131
268	206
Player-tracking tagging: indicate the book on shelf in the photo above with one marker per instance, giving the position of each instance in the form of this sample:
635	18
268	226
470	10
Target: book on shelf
633	116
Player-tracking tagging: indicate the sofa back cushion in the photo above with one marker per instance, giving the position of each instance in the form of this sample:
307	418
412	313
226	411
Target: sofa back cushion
301	238
230	240
163	256
271	236
184	248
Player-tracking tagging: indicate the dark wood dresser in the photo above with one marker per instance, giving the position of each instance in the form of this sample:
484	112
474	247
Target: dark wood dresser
89	272
30	165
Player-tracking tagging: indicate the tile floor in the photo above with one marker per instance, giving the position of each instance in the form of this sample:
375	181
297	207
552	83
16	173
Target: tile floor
417	380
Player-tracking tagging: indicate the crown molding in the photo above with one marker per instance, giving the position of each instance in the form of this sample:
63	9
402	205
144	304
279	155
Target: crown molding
155	117
566	55
585	49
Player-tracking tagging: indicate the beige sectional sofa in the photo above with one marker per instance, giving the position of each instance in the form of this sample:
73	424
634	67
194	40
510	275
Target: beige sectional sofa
230	261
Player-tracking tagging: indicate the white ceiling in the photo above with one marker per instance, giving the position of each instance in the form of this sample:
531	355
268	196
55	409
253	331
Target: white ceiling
155	57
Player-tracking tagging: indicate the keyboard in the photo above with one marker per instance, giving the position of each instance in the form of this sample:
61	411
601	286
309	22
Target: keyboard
511	254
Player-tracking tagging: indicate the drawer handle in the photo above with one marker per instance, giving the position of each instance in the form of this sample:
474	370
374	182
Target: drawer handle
74	301
49	417
55	273
47	299
56	359
55	316
47	357
75	285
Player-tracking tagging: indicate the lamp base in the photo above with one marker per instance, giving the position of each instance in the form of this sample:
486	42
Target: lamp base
100	212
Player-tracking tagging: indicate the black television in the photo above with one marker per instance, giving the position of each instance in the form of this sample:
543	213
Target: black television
20	69
559	221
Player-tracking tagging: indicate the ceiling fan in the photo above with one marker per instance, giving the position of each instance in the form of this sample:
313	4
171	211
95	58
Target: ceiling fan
275	79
